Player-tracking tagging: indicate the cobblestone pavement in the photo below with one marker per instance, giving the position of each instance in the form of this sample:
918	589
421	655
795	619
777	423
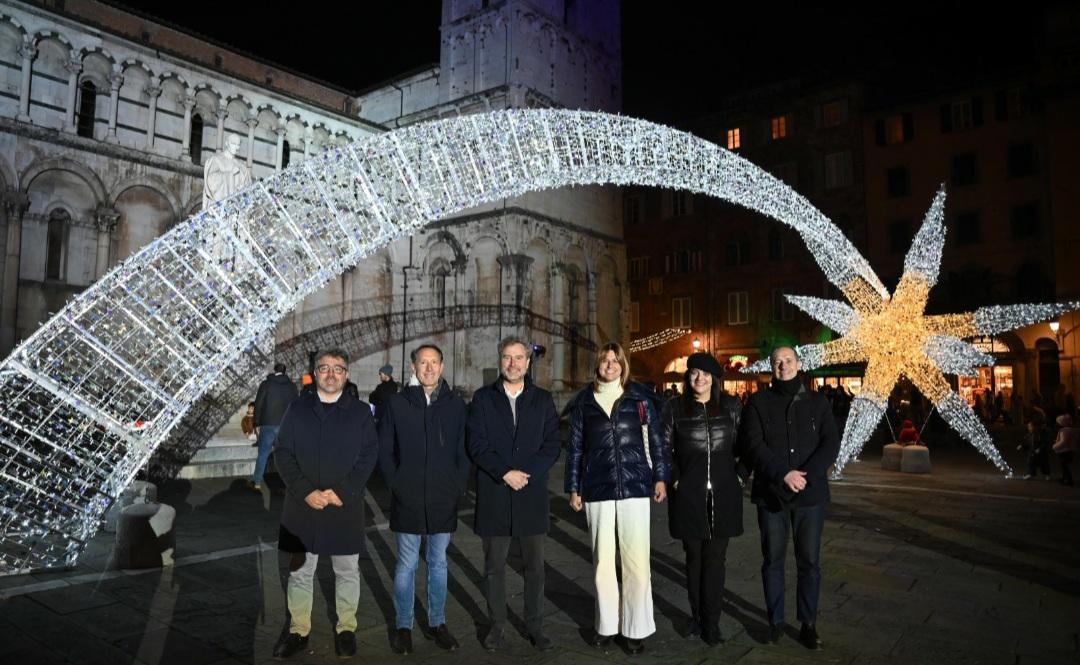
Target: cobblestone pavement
961	566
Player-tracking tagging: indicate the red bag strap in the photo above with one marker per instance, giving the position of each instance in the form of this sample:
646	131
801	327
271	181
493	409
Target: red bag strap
641	411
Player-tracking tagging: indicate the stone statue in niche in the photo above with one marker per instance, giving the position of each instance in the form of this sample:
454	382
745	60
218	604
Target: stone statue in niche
223	176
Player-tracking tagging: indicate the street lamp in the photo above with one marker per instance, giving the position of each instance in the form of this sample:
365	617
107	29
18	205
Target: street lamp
696	344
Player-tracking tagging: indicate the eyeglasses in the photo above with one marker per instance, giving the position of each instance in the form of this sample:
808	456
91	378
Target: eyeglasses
336	369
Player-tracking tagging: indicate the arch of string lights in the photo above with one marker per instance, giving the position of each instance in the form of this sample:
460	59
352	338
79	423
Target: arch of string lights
91	394
657	339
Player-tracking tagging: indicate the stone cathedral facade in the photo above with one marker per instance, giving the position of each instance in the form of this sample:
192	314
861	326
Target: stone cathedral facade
106	118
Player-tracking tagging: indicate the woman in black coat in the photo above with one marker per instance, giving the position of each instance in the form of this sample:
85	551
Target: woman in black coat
705	507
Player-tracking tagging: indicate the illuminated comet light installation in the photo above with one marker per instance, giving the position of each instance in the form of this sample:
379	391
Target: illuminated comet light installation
895	338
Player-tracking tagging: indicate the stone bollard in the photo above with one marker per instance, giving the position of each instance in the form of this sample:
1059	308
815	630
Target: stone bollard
916	459
145	537
140	491
891	455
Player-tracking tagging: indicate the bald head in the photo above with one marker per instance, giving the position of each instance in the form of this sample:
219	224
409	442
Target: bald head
785	363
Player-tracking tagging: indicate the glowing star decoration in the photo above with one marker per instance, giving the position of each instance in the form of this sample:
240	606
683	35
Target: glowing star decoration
895	338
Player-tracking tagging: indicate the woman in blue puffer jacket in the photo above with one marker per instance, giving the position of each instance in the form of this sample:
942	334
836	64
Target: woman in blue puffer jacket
611	472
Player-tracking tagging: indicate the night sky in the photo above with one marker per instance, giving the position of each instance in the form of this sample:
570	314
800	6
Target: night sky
678	61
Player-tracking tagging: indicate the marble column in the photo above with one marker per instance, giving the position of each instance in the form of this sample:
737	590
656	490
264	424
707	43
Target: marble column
15	205
252	122
188	100
28	51
558	343
115	81
280	131
591	278
153	91
223	110
105	220
74	68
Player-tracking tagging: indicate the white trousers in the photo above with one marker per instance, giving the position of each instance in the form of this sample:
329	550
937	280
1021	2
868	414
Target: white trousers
628	521
300	592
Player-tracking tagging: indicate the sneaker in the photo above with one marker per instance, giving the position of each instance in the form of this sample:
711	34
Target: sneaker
776	631
345	644
634	647
444	639
809	638
290	645
494	639
541	642
402	642
252	486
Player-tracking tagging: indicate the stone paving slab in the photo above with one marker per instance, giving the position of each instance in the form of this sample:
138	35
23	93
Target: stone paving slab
961	566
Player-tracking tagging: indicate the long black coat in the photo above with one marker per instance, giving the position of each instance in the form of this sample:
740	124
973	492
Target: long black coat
321	448
422	457
497	446
782	433
605	459
703	446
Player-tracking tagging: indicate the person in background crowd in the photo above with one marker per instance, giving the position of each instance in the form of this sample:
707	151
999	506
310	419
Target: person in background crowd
275	394
1065	445
247	425
1037	446
387	387
611	472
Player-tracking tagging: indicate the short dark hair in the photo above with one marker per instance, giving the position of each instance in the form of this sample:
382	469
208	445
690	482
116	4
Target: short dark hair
333	353
279	368
510	341
417	350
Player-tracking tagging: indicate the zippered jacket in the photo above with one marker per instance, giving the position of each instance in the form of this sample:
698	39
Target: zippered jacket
606	457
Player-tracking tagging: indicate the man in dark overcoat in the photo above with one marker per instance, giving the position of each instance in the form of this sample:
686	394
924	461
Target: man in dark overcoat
514	440
790	436
325	451
423	459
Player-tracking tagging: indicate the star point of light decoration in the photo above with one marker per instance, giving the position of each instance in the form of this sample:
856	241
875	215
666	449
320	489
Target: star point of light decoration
656	339
894	336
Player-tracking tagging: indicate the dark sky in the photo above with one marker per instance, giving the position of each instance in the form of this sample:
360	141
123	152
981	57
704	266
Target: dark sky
678	59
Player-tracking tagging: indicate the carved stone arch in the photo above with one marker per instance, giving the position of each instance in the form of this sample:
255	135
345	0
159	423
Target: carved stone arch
267	107
444	236
15	23
151	182
99	50
135	62
169	74
52	34
64	164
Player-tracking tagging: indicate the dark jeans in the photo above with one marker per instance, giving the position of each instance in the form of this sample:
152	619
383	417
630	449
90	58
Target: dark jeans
806	523
496	549
1037	462
705	574
1066	473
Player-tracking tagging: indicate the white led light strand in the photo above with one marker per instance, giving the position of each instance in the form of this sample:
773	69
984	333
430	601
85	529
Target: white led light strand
657	339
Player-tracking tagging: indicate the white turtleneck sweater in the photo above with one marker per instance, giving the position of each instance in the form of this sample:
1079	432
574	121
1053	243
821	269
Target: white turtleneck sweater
608	393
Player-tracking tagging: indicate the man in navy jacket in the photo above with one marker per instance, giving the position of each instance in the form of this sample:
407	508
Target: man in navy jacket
790	435
422	457
325	452
514	440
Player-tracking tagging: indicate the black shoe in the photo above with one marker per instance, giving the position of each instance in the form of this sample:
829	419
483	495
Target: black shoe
402	642
443	638
808	637
634	647
600	641
541	642
776	631
494	639
712	636
345	644
290	645
253	487
693	627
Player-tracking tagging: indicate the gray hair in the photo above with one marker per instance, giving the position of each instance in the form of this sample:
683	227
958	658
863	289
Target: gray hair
333	353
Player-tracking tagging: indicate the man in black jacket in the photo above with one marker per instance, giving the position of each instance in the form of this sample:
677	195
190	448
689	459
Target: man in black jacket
514	440
387	387
325	452
791	437
422	457
275	394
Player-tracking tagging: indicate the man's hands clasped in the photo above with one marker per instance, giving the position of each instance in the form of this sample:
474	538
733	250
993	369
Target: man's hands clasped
320	499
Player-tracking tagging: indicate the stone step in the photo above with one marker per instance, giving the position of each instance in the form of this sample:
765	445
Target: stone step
228	454
239	452
222	469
